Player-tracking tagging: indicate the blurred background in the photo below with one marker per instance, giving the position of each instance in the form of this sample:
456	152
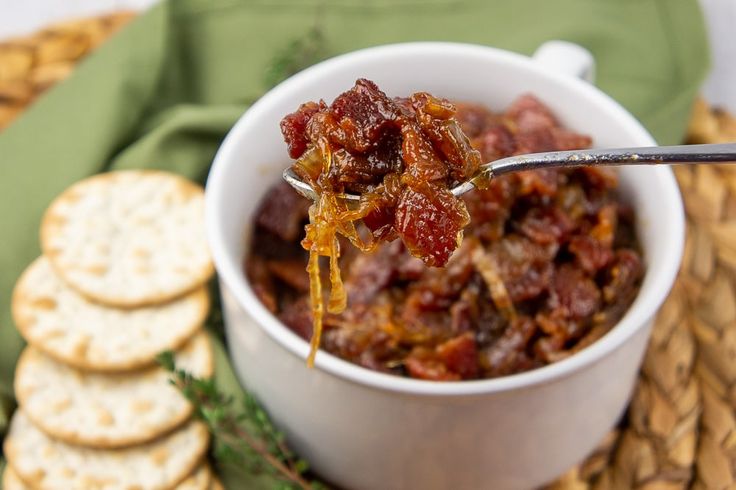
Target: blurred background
18	17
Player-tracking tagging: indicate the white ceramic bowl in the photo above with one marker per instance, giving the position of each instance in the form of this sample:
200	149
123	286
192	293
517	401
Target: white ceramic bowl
366	430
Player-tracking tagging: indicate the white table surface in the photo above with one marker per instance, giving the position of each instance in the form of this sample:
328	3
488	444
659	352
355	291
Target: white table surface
720	87
25	16
22	16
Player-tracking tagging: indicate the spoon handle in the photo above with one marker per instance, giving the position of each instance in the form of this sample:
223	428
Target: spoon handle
725	152
646	155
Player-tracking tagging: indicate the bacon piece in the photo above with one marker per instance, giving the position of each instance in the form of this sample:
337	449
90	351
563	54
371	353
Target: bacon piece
530	114
525	267
421	160
474	119
495	142
294	128
261	282
546	225
460	355
436	120
298	317
423	364
291	271
429	220
370	273
363	113
282	212
623	277
508	354
490	208
590	254
573	294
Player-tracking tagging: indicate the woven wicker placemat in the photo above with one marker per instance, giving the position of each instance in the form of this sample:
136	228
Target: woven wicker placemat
31	64
680	429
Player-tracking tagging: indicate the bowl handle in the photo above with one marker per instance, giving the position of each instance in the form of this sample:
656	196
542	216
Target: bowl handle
568	58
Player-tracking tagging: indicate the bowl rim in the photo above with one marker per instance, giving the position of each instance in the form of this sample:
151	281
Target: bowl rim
636	318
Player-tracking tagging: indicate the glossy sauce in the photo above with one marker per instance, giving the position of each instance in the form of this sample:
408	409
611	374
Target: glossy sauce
548	264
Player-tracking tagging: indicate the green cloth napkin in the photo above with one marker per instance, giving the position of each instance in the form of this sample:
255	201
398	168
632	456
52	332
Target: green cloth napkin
164	91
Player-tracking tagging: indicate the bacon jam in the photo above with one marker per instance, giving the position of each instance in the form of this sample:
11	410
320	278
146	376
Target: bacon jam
401	156
548	265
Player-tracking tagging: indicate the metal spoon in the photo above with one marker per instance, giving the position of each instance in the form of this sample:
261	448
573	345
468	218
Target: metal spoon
648	155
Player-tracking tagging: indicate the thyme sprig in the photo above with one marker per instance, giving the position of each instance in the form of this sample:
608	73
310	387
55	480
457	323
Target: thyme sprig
243	434
244	437
300	53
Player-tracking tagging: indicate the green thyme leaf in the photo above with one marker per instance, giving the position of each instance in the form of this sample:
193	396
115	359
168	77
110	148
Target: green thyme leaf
244	438
297	55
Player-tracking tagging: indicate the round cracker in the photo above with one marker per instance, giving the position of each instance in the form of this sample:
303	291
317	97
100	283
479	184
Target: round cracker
57	320
201	479
129	238
48	464
11	480
106	410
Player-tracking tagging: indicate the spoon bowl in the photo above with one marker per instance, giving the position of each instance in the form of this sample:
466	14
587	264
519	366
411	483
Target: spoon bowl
646	155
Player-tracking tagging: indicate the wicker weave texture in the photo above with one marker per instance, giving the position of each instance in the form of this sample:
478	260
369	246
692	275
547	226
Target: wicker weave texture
30	65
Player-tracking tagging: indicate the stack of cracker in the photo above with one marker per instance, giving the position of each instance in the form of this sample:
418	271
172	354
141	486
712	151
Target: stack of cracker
122	278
